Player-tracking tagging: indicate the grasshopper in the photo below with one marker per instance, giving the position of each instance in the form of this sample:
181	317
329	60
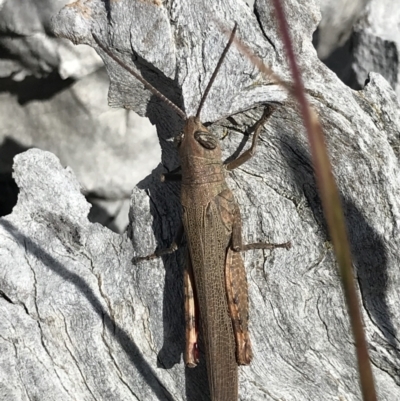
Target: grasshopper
214	277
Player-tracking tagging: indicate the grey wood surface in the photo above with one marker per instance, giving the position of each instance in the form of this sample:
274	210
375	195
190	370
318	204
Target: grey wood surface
81	322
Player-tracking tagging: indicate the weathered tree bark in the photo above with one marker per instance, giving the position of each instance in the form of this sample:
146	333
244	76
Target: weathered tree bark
376	43
80	321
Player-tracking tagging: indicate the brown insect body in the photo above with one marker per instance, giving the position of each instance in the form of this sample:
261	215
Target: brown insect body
207	219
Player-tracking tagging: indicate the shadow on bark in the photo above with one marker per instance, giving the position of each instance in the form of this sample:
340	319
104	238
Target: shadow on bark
367	248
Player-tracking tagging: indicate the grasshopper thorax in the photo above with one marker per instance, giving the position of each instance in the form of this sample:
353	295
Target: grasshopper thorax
200	156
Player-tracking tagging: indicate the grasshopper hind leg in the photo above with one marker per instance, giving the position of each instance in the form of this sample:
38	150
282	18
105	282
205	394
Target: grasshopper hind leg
238	301
191	355
237	287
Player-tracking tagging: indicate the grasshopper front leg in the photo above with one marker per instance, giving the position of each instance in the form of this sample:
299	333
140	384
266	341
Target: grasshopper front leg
237	244
249	153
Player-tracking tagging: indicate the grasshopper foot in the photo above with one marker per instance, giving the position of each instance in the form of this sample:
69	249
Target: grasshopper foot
262	245
156	254
137	259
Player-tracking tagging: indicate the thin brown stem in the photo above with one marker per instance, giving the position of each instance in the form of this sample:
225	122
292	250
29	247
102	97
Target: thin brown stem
332	209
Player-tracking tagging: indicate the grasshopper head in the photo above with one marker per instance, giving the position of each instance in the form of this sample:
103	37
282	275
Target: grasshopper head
196	140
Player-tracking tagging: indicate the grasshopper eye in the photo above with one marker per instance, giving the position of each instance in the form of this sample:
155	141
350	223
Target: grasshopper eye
206	139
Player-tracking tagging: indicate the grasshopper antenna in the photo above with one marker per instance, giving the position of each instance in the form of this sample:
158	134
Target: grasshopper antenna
221	59
148	86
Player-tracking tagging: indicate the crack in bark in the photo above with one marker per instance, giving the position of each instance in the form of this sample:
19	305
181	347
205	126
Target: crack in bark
323	322
101	291
38	320
275	189
5	297
317	263
258	19
382	369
